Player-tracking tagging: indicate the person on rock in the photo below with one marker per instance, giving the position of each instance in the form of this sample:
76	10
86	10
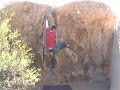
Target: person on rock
52	46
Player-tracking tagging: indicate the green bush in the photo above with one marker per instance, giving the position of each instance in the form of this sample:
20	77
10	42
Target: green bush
15	60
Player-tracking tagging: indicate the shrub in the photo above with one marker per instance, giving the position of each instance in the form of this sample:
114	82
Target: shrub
15	60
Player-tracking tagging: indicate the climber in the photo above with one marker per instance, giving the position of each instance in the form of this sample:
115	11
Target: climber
52	45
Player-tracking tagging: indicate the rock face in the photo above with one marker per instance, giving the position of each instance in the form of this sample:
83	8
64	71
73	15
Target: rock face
86	26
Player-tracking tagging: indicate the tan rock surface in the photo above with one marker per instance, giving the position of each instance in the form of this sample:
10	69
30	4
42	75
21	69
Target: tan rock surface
86	26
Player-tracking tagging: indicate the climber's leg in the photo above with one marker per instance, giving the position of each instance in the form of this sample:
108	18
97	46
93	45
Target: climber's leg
53	64
60	45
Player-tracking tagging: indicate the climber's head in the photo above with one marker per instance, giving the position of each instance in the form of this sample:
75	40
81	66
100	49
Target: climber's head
53	27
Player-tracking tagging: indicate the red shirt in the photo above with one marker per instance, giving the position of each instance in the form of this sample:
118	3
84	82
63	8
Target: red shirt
50	38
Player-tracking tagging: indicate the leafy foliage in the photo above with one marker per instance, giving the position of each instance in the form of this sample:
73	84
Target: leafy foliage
15	60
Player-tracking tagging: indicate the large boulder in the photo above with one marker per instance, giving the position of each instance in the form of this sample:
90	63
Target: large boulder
88	28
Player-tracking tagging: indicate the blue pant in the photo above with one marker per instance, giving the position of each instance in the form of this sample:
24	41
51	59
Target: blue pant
59	46
53	62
